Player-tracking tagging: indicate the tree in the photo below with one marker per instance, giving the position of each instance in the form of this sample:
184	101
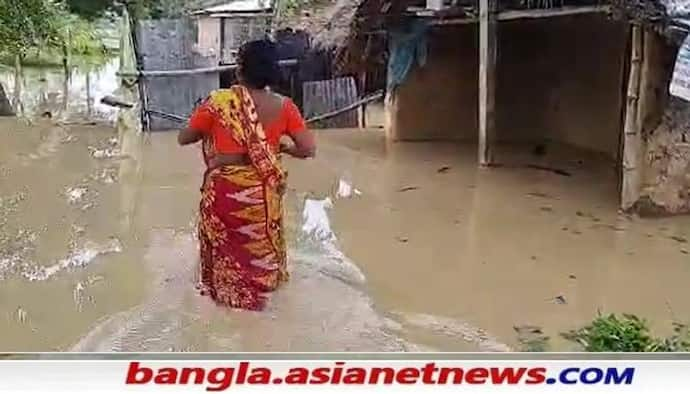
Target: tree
26	24
92	9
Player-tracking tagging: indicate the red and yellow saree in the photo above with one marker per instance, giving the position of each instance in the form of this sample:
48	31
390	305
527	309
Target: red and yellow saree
243	253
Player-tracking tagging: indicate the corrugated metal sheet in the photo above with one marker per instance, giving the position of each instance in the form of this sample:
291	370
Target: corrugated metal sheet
320	97
167	44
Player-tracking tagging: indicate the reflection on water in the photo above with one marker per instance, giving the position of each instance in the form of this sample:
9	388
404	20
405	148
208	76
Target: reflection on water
67	97
397	248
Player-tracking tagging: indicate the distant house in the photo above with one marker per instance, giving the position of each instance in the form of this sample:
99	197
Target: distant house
589	74
221	29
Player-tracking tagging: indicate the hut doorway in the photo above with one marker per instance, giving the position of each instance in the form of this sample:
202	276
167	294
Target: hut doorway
559	82
559	93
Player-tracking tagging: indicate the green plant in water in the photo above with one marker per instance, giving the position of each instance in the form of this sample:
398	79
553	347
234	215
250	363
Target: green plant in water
627	333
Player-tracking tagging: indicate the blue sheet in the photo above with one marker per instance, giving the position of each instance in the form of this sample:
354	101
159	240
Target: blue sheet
406	48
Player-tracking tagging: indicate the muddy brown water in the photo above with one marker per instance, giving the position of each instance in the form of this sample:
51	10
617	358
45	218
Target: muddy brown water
402	247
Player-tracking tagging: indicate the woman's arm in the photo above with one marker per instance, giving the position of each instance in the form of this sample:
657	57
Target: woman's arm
189	136
200	124
303	145
303	140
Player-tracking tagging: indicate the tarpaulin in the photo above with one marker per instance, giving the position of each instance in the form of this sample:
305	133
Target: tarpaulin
407	47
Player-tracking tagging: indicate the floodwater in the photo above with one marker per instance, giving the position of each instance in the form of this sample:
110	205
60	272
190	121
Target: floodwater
403	247
74	97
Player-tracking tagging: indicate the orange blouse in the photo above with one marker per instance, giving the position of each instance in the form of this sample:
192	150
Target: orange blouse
289	122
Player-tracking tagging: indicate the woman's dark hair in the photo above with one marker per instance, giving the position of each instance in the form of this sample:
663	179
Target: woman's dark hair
258	61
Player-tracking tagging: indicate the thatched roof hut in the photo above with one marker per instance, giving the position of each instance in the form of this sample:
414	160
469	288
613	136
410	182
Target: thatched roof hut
590	74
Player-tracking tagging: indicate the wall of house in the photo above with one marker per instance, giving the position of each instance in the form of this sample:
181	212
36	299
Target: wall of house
561	79
665	123
439	100
557	79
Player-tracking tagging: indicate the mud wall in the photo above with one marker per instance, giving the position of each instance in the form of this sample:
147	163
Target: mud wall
561	79
665	126
439	100
558	79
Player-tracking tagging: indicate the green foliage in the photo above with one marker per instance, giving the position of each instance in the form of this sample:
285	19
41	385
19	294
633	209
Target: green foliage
93	9
289	8
627	333
46	30
90	9
27	23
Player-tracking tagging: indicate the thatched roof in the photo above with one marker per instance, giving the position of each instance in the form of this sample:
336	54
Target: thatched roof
352	22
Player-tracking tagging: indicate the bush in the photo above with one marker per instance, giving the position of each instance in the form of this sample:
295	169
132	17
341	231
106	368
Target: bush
627	333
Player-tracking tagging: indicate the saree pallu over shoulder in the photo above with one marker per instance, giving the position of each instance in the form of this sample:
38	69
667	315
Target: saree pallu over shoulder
243	253
235	109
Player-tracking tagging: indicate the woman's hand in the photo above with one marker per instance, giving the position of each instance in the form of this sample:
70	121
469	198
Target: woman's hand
296	151
287	148
189	136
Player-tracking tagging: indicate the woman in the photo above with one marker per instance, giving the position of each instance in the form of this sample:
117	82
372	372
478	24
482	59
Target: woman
243	255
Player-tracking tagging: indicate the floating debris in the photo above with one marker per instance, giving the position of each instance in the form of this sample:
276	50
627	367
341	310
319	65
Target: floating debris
9	204
556	171
107	176
15	250
560	300
403	240
78	230
546	209
78	295
527	329
541	195
408	188
443	169
531	338
107	153
572	277
345	190
21	315
69	138
75	194
107	150
678	239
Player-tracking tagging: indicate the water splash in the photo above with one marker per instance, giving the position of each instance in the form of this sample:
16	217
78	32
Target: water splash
320	240
78	258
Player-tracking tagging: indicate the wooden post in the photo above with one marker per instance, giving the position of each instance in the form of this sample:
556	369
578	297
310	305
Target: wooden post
362	92
632	133
487	79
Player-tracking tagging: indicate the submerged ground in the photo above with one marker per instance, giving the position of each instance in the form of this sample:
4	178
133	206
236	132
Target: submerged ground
392	248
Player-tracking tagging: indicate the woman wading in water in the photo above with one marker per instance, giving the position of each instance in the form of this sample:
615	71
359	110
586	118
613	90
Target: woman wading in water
243	253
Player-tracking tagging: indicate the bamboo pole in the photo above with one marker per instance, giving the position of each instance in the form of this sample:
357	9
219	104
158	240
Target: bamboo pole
194	71
487	75
553	12
364	100
632	138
